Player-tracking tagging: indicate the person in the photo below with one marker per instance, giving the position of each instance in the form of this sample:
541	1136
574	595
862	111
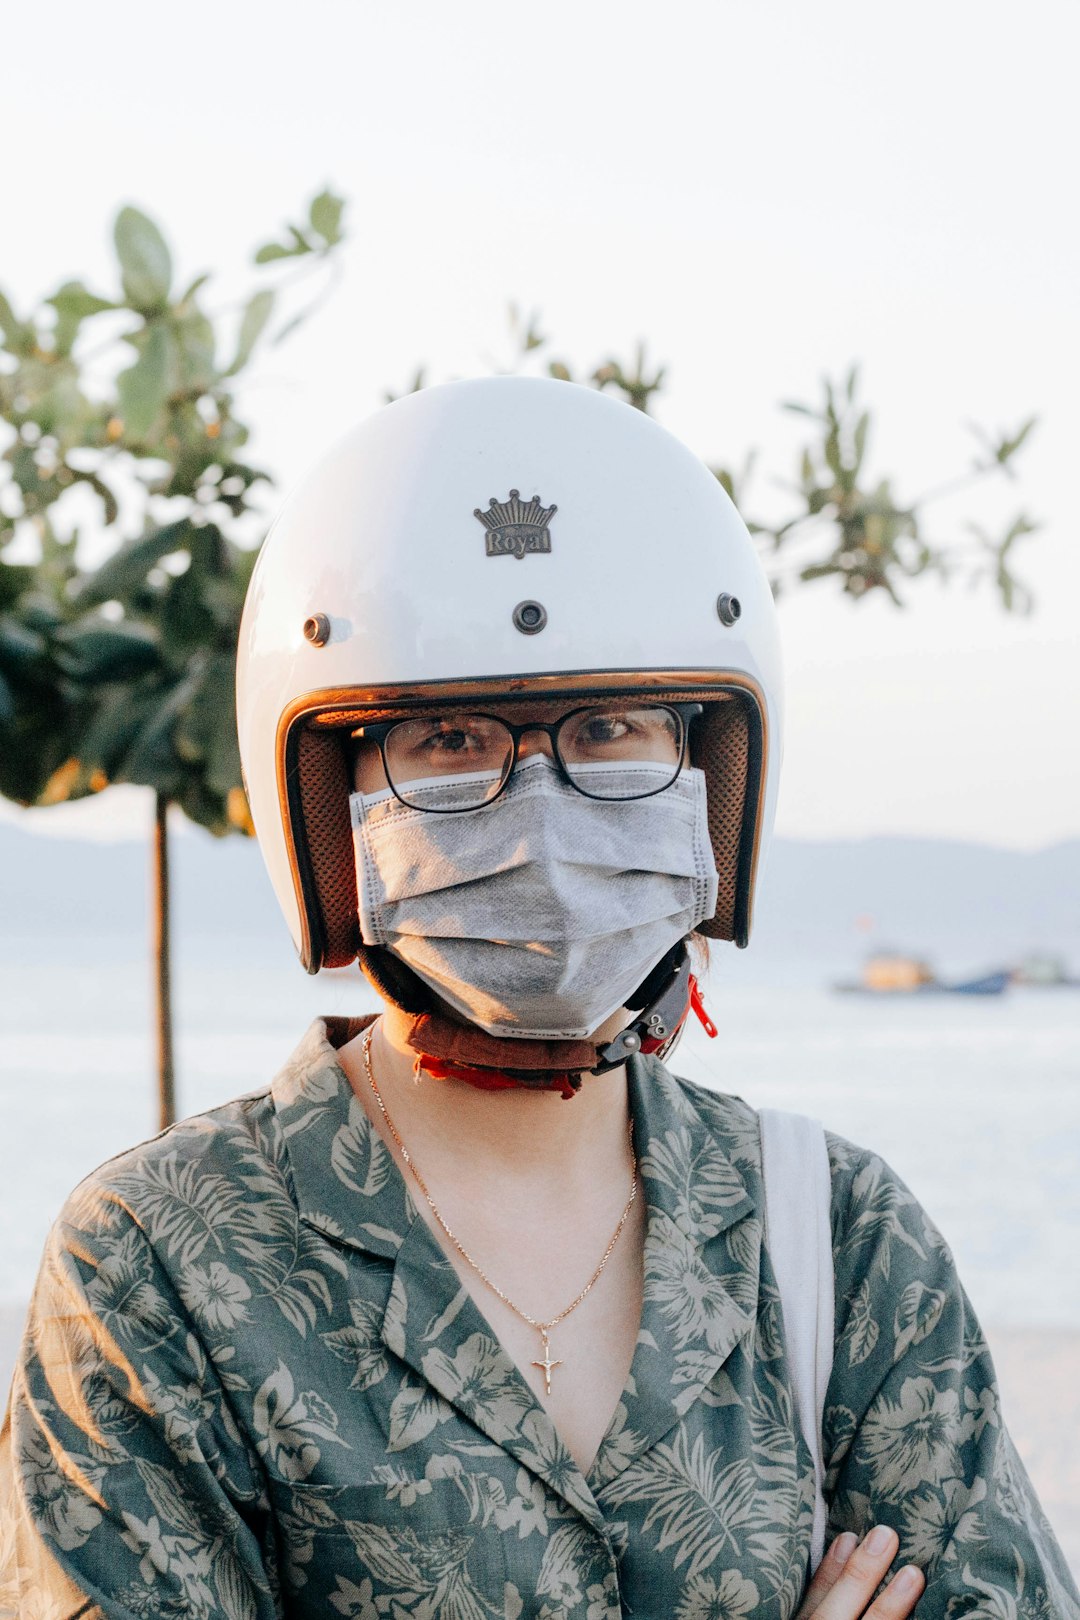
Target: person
473	1314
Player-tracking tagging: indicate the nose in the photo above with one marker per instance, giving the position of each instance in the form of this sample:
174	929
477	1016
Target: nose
534	741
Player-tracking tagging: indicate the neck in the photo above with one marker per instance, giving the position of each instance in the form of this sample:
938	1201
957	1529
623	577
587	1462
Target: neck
529	1135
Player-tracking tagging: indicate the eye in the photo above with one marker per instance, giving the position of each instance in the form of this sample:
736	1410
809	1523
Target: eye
602	728
472	737
648	732
451	739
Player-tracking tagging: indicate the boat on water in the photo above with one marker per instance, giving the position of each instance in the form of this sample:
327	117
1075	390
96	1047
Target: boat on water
891	973
1044	972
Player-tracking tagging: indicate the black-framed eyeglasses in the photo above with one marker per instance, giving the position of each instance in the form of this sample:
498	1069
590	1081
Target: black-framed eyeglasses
610	750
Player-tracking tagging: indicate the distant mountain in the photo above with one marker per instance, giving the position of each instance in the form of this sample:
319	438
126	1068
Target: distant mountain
963	905
966	905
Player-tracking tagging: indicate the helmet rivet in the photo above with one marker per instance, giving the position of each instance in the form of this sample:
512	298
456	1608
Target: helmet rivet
530	617
317	629
631	1042
728	608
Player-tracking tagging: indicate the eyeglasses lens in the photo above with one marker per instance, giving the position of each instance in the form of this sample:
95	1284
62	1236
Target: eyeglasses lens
621	753
460	762
456	763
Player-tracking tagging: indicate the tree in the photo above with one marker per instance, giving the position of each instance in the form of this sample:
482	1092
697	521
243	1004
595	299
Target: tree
124	672
842	529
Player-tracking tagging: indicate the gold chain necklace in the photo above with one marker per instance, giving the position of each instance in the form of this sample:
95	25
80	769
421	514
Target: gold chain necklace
543	1328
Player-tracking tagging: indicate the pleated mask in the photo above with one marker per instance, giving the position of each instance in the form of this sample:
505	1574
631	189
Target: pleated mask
536	915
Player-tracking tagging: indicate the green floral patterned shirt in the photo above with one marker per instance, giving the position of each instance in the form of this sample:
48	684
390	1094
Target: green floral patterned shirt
253	1387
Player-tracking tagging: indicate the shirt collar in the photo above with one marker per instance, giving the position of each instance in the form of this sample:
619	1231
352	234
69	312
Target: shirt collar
701	1278
688	1143
344	1180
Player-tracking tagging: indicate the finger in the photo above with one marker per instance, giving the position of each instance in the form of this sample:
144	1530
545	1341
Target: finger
861	1576
827	1573
900	1596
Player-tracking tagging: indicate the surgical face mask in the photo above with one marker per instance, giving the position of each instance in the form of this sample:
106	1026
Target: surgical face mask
539	914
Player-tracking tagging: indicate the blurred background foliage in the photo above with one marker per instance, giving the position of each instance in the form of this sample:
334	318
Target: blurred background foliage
123	672
120	419
122	415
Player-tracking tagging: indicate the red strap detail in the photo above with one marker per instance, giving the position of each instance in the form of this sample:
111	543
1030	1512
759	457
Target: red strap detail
653	1043
493	1079
699	1008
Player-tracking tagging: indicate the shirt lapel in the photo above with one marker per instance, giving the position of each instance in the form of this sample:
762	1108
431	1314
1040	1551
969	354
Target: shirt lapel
702	1254
344	1181
350	1189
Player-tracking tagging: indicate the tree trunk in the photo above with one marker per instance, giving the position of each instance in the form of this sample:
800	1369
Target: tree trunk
162	966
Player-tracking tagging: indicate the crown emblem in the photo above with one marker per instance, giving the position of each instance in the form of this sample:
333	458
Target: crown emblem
515	526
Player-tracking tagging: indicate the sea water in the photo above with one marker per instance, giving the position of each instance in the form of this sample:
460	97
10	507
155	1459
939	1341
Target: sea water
974	1101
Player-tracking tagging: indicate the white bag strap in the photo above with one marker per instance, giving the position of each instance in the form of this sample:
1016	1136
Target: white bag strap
798	1234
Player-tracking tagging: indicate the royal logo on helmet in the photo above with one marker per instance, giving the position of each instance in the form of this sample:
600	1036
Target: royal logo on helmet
515	526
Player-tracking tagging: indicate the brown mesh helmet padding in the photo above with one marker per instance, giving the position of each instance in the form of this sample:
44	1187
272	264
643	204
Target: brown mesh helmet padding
721	748
325	785
725	744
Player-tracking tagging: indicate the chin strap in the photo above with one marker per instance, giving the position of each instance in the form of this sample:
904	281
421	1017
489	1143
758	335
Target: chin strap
669	993
447	1050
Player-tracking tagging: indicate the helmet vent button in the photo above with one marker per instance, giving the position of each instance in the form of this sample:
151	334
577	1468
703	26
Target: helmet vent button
317	629
530	617
728	608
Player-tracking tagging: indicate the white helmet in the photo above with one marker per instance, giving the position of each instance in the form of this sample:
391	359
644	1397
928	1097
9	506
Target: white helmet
500	538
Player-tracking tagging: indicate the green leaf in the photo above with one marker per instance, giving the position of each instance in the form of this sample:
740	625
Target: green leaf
190	291
9	324
15	578
1021	525
20	336
143	389
19	645
126	569
152	761
188	625
105	651
145	262
75	299
73	303
325	216
258	312
207	730
101	490
119	715
39	611
194	338
271	251
724	479
1008	447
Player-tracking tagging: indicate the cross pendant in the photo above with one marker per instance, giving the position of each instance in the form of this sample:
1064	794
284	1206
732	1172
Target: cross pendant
547	1362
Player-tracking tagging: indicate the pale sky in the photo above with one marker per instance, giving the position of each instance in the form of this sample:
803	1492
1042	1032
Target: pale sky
764	192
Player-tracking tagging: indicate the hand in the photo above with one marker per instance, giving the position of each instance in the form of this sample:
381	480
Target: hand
849	1574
